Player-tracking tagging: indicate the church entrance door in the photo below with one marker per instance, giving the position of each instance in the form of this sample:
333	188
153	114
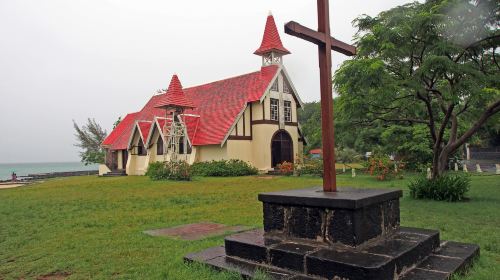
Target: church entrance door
281	148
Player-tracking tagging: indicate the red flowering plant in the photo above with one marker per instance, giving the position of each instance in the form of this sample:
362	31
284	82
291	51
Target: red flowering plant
285	168
383	168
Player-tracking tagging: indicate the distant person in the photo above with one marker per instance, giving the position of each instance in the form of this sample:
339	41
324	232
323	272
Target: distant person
14	177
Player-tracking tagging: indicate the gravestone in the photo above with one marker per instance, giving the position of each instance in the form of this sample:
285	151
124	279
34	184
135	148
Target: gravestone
465	168
497	166
353	171
330	232
456	167
478	168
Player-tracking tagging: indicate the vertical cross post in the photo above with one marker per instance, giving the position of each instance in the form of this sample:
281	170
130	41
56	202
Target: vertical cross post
325	68
325	44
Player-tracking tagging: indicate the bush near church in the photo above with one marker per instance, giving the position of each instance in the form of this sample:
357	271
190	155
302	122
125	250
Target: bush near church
447	187
223	168
175	170
285	168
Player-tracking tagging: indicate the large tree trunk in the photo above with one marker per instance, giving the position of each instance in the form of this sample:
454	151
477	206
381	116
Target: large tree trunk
442	151
440	160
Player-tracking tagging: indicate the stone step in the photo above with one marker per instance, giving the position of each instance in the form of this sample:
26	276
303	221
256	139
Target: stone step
378	260
115	174
451	257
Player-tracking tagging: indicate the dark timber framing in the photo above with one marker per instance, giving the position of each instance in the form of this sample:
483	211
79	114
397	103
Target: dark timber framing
274	122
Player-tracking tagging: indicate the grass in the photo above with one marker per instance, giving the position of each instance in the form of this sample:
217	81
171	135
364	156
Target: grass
88	227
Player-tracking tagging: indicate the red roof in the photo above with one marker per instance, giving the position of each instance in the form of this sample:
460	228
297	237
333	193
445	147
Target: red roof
271	40
315	151
124	126
175	96
216	105
144	126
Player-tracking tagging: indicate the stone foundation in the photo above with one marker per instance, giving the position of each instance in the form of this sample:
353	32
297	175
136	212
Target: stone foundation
350	234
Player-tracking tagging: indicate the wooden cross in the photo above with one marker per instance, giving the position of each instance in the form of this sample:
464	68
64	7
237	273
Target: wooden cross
325	43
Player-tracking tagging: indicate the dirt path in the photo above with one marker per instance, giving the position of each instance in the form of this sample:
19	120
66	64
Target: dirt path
10	186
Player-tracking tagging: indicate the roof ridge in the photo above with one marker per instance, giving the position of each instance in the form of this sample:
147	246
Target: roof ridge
225	79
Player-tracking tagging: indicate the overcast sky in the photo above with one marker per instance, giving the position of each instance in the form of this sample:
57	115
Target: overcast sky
62	60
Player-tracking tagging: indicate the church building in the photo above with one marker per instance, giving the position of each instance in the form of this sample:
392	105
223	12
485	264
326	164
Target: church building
251	117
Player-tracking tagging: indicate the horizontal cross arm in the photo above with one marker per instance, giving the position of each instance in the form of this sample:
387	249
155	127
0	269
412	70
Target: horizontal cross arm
295	29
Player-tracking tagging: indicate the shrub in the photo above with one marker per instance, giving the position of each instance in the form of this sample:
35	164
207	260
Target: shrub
175	170
311	167
448	187
383	168
285	168
223	168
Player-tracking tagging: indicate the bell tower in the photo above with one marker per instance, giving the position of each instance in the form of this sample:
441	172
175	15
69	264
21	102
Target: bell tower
174	101
271	49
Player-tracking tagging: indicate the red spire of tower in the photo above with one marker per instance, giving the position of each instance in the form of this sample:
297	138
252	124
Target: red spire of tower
271	40
175	97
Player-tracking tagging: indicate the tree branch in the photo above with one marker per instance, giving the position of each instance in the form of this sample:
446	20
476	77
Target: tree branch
490	111
431	123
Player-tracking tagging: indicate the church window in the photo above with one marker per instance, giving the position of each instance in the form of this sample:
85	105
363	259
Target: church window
274	87
159	146
184	147
141	150
274	109
268	59
288	111
181	145
286	87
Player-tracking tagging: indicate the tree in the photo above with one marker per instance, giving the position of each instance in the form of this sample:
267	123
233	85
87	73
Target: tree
310	119
90	137
434	64
117	122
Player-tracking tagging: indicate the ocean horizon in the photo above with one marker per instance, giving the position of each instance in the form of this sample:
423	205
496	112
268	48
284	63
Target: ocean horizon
23	169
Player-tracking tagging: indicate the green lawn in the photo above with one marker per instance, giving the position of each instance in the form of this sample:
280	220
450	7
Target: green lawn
89	227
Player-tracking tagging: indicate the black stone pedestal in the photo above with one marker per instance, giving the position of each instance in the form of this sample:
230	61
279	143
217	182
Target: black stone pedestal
349	216
350	234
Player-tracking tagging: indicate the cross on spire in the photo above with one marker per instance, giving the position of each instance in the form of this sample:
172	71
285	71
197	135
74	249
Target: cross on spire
325	43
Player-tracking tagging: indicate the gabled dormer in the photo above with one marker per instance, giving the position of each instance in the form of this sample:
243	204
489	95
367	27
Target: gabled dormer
271	49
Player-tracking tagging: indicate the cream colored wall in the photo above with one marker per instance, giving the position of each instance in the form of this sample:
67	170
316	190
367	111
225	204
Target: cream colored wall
211	152
120	159
153	156
256	111
240	149
103	169
137	165
243	124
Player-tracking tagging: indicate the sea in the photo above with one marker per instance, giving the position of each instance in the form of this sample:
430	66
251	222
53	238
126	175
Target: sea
23	169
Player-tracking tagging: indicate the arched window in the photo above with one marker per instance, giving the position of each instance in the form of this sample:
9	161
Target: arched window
159	146
181	145
141	150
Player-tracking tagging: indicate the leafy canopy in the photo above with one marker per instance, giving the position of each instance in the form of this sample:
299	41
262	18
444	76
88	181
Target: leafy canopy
432	64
